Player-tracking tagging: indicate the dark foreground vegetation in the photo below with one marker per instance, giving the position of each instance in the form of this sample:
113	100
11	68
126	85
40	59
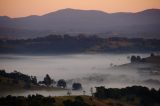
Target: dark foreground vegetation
34	100
140	96
78	44
39	100
129	96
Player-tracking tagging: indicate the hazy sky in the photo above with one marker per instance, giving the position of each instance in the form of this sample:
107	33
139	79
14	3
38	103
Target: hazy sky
19	8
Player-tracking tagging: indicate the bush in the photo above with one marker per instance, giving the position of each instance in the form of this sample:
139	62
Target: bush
61	83
76	86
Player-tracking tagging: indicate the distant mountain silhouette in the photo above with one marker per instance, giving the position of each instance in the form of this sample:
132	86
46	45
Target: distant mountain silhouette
141	24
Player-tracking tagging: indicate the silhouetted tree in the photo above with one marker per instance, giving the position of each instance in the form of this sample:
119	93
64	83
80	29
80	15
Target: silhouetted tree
152	54
76	86
47	80
61	83
3	73
133	59
138	58
34	80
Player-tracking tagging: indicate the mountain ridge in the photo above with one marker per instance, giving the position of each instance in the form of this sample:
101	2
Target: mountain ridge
86	21
146	10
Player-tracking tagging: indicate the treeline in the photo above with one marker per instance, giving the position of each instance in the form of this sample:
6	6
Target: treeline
77	44
61	83
142	96
137	59
16	77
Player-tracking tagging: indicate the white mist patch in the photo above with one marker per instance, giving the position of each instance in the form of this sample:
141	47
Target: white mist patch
61	66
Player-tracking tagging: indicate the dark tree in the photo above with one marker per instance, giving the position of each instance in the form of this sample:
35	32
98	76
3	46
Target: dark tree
152	54
61	83
47	80
34	80
133	59
76	86
3	73
138	58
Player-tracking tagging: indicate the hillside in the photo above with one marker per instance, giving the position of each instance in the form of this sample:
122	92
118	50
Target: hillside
141	24
150	63
16	81
148	68
153	59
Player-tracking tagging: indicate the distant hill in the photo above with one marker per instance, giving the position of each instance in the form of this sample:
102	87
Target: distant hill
141	24
63	44
146	66
153	59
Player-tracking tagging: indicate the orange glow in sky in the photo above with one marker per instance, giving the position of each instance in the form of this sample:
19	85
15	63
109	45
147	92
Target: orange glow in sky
20	8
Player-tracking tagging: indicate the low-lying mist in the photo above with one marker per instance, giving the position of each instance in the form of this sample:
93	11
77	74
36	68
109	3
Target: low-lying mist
89	69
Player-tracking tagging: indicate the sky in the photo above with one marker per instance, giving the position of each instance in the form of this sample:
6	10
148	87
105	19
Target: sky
21	8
